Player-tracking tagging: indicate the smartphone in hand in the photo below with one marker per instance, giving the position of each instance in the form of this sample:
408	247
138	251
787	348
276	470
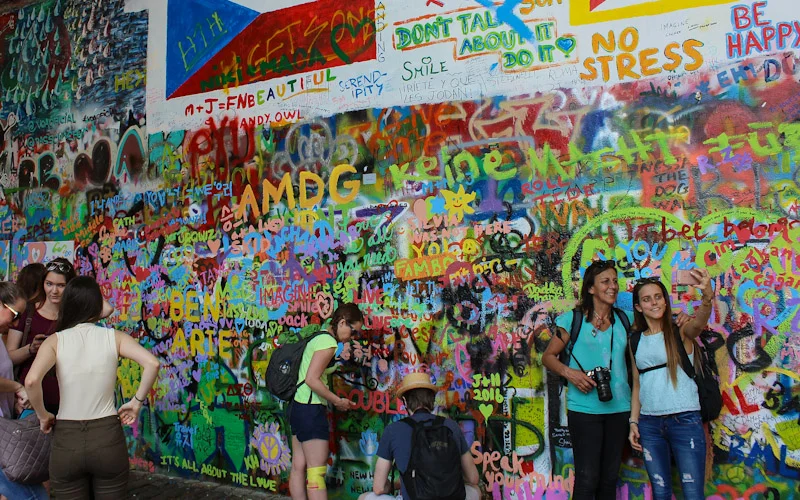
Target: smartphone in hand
685	277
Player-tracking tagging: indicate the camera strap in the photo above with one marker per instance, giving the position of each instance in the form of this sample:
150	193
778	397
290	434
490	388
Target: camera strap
610	359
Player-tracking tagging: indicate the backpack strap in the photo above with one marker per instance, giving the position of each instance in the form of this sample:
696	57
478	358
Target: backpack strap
633	342
623	318
410	422
306	341
686	364
651	368
575	328
25	333
574	332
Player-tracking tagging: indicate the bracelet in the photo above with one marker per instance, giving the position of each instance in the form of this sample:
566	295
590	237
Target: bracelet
632	422
139	400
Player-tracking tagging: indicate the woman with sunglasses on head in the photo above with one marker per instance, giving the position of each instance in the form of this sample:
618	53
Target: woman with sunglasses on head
665	405
13	396
89	458
597	428
39	321
308	417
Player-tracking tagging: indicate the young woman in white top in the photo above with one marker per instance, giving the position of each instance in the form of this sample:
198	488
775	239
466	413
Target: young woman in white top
665	405
89	455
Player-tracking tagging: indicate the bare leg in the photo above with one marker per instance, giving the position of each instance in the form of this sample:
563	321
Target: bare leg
316	455
297	476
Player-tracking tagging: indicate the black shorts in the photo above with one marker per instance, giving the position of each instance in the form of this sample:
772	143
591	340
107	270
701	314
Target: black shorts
309	421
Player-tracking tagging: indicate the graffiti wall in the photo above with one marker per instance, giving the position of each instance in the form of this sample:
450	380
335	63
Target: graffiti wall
231	174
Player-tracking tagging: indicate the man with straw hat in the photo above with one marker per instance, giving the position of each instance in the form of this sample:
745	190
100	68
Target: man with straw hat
430	451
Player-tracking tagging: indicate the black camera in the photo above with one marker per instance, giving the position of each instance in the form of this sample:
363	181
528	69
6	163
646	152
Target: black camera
602	377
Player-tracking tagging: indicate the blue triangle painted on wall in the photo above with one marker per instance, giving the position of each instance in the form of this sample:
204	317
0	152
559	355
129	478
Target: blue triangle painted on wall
196	31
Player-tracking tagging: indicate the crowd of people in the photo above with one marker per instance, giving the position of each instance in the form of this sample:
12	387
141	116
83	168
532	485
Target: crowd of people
58	365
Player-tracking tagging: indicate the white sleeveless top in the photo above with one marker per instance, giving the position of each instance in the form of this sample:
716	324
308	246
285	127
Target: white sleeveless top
86	365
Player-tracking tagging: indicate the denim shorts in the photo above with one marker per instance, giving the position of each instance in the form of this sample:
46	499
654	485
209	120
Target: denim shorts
309	421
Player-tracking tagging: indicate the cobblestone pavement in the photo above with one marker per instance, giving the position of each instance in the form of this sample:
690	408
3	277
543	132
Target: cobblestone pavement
144	485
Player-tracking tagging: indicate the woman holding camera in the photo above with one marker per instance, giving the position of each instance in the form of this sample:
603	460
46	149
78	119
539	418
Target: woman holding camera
598	394
665	405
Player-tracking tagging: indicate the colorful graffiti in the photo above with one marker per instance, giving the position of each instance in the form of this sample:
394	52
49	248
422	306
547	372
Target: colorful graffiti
451	166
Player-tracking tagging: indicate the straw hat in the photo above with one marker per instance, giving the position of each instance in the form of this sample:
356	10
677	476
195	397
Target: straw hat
415	381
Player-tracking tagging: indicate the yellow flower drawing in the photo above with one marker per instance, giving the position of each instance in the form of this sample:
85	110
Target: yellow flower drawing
458	203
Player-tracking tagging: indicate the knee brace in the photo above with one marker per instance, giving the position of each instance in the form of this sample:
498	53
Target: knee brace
316	477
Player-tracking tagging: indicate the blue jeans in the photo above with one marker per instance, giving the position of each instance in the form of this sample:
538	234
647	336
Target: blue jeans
16	491
682	435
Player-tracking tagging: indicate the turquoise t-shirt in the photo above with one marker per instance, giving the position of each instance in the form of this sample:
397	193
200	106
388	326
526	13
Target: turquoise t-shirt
596	351
319	343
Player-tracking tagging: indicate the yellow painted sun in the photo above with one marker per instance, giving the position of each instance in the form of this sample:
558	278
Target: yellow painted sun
457	203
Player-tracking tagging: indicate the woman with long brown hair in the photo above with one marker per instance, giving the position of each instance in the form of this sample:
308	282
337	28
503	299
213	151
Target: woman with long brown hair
597	422
665	404
89	458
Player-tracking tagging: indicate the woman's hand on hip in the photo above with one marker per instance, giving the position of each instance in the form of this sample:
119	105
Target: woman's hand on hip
46	422
129	412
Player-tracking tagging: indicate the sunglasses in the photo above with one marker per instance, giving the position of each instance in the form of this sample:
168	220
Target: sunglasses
355	332
15	313
602	264
58	267
648	281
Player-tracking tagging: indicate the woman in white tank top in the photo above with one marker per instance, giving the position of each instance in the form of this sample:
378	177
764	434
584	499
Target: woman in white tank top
89	455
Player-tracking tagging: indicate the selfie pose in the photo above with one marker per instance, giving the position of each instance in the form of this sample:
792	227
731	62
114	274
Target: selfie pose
665	405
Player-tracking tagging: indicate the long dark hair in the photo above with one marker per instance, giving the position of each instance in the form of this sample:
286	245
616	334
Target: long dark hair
82	302
31	279
640	325
587	304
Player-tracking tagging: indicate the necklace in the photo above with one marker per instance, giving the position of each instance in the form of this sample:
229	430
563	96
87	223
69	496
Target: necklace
600	320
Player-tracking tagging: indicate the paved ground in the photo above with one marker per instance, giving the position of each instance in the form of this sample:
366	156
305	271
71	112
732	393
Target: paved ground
143	486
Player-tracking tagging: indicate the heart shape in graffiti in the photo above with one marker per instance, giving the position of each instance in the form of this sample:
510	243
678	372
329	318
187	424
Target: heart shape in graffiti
354	32
486	410
36	252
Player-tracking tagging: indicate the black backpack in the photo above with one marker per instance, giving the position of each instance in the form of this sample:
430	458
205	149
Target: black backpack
575	330
706	377
434	467
283	369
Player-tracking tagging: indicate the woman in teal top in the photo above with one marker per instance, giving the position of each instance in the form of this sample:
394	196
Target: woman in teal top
597	427
308	416
665	406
